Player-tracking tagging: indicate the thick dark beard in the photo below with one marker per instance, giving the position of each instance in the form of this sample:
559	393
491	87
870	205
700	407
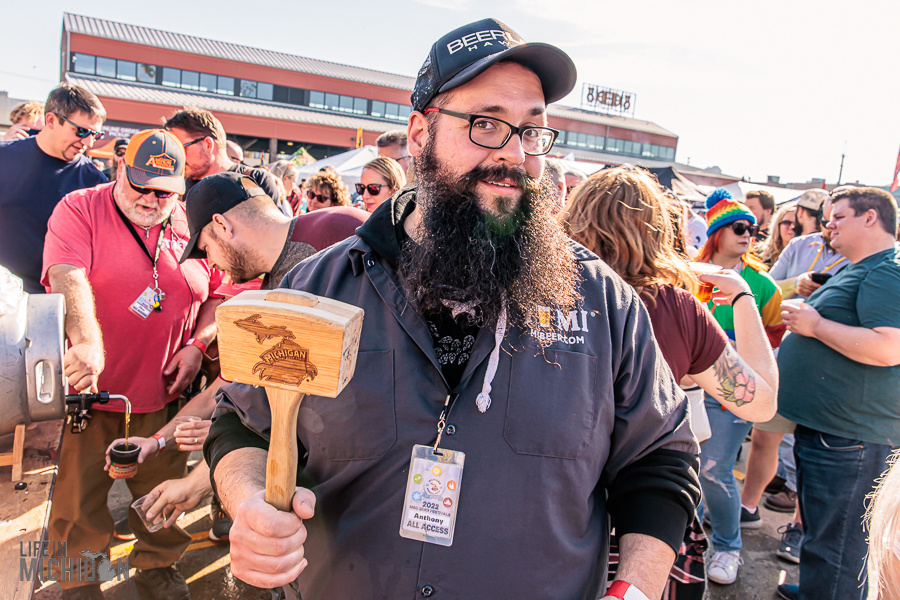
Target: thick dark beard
466	254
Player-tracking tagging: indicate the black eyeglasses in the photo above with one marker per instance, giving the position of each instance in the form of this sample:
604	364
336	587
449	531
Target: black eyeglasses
144	191
493	133
191	143
120	152
82	132
742	228
787	223
374	188
314	196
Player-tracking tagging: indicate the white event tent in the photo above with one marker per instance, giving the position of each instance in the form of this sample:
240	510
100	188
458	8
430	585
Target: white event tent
739	190
349	165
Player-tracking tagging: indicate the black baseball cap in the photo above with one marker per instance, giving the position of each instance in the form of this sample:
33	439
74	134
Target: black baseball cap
467	52
214	195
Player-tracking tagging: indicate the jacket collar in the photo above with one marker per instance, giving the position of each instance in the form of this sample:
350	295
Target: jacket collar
380	229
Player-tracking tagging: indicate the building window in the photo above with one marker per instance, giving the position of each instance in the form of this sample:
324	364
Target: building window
106	67
171	77
317	99
220	84
83	63
126	70
226	85
190	80
248	89
146	73
207	83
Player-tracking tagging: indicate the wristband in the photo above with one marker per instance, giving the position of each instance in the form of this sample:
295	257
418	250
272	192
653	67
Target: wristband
161	439
198	343
622	590
738	297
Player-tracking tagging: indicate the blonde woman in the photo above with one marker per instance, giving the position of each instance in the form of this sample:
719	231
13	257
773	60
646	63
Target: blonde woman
883	519
780	233
380	180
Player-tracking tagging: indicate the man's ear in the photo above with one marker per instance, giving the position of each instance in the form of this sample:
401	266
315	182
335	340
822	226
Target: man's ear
223	227
871	217
417	133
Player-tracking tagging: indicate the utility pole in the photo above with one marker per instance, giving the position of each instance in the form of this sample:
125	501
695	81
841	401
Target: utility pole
841	173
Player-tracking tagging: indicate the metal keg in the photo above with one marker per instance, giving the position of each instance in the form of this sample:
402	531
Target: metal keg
32	343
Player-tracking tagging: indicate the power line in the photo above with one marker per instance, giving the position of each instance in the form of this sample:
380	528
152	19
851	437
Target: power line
28	76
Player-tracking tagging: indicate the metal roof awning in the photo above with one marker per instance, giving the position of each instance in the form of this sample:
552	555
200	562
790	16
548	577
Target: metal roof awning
112	88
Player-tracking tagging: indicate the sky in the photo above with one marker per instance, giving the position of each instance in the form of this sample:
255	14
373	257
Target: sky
756	88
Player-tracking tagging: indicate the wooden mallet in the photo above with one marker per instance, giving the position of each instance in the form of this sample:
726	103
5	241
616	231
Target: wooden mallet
293	344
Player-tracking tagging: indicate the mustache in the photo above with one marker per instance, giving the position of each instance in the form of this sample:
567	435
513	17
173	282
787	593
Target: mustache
499	172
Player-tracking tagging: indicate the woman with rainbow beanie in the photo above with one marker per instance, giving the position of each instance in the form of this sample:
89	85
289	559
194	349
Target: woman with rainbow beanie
731	230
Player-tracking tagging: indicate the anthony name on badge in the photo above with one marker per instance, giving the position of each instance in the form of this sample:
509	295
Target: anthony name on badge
432	495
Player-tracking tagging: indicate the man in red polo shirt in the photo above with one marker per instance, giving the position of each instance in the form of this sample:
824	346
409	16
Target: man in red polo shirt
114	251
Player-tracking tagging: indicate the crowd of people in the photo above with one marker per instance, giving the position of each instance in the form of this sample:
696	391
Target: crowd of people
557	329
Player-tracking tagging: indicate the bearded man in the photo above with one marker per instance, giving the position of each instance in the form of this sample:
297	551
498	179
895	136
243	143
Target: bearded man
488	334
113	251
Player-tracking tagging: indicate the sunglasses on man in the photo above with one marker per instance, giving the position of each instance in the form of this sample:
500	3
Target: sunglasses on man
144	191
374	188
82	132
318	197
742	228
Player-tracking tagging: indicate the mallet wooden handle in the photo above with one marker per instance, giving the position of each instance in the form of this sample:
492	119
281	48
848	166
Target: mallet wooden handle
281	465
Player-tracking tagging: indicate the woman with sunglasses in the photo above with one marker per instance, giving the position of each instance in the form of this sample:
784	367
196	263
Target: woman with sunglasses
380	180
326	189
780	234
731	230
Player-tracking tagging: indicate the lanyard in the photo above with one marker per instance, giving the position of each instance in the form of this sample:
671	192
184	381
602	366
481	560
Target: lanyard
816	259
160	296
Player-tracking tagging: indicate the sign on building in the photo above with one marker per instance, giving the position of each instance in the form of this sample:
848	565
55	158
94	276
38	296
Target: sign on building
607	100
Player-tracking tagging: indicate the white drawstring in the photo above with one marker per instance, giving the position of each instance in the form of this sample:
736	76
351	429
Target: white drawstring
483	401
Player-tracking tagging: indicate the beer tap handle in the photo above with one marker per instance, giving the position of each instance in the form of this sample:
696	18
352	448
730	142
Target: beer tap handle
78	408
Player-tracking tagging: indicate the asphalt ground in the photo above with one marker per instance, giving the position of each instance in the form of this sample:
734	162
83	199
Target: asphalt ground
206	564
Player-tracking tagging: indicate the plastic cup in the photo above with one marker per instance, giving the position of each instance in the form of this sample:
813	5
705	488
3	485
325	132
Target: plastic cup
154	524
179	421
704	290
793	303
123	460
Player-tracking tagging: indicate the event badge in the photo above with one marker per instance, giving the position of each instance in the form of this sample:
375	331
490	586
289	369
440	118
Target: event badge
432	495
143	306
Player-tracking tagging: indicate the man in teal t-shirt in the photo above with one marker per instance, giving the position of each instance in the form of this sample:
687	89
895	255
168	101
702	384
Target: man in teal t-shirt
840	382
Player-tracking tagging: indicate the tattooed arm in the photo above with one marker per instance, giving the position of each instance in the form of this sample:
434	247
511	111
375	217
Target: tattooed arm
744	379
